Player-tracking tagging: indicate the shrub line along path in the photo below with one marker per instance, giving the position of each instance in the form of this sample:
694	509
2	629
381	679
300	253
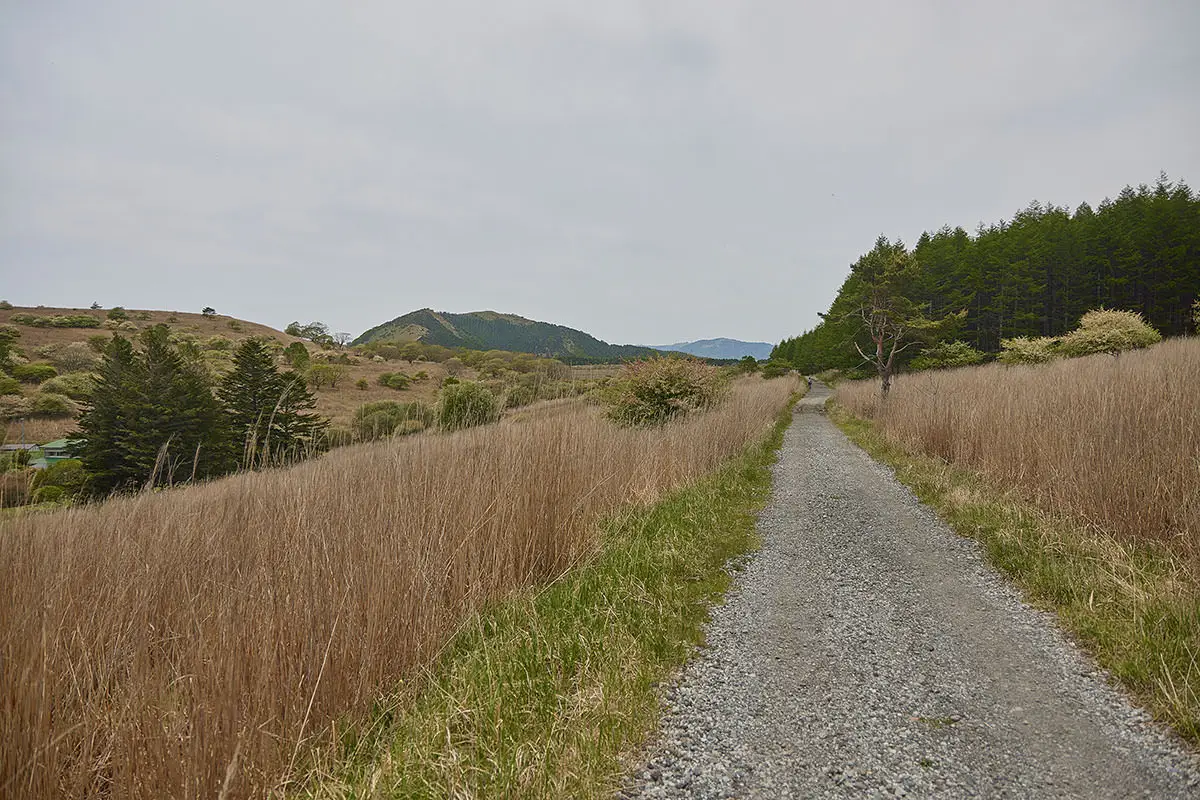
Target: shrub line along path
868	651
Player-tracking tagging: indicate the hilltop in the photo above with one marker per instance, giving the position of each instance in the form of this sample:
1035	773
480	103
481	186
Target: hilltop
489	330
720	348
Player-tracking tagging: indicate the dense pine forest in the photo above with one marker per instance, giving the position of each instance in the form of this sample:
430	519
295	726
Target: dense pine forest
1038	273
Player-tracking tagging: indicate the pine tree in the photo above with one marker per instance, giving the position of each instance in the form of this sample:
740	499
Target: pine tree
152	420
266	409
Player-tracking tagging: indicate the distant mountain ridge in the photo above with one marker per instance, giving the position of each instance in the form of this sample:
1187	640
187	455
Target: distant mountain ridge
720	348
490	330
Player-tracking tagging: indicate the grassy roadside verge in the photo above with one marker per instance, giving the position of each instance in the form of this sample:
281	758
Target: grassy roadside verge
541	695
1136	608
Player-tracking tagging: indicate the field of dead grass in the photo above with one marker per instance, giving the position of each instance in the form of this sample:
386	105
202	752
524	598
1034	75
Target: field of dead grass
1113	441
198	642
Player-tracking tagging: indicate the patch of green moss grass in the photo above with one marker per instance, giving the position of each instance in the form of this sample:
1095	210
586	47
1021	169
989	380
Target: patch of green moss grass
1135	606
547	693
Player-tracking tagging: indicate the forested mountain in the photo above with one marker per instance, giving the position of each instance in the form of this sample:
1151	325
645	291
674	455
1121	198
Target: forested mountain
1036	274
718	348
488	330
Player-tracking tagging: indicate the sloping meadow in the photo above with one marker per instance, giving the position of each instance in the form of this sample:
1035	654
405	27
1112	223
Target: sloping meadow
196	642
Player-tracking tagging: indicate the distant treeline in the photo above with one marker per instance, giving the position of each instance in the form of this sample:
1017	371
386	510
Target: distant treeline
1037	274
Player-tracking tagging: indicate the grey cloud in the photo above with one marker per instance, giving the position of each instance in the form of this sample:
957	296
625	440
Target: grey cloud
648	171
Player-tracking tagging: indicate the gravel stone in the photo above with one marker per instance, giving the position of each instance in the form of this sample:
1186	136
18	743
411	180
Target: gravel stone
867	651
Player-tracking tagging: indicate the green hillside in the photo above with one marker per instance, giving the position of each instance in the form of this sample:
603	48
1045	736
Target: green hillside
489	330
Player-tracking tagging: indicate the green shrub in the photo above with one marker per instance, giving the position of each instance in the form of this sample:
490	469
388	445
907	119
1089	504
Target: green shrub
67	475
142	315
98	342
219	343
449	380
465	405
387	418
518	396
297	355
48	494
9	385
947	355
1025	350
1108	331
775	369
394	380
5	305
75	385
118	313
57	321
51	406
234	325
656	390
362	384
34	373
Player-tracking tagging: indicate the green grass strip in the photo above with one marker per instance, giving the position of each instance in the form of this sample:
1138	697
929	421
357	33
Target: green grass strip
543	694
1134	606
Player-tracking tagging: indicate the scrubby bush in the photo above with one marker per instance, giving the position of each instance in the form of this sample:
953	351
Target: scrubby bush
13	407
67	475
47	405
518	396
297	355
320	375
389	418
118	313
48	494
5	305
142	315
656	390
394	380
218	343
72	357
75	385
98	342
946	355
56	321
1108	331
234	325
1025	350
34	373
465	405
119	325
9	385
362	384
775	369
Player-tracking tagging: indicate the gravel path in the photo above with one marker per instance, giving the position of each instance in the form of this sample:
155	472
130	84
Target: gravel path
867	651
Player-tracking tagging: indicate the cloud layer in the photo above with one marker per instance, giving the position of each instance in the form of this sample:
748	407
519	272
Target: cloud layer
646	171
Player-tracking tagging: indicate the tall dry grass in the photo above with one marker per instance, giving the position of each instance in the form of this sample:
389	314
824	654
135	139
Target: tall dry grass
1112	440
193	643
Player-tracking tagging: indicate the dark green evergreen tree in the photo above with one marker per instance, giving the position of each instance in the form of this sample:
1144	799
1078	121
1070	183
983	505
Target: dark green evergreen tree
152	420
269	412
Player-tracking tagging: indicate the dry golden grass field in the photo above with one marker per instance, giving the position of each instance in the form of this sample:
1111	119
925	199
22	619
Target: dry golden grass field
197	642
1112	440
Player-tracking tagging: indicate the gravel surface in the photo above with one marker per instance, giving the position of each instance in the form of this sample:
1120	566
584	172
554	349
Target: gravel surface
867	651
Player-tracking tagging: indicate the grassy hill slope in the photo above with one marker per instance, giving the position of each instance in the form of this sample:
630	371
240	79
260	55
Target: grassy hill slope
489	330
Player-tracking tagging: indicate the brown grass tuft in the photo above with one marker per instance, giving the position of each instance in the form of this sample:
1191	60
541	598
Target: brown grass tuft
197	642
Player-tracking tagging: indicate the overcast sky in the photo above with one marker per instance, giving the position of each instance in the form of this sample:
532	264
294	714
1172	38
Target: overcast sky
646	171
